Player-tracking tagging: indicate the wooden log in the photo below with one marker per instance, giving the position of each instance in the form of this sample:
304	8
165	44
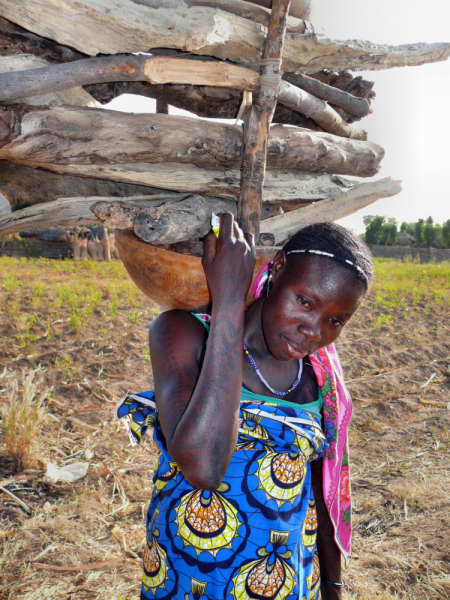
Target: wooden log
284	226
16	68
257	122
185	220
71	212
359	107
318	110
117	214
246	10
189	219
259	11
24	187
99	26
171	279
158	69
280	187
66	135
216	103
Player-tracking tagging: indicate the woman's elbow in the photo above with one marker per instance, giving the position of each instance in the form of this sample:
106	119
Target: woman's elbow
204	481
200	473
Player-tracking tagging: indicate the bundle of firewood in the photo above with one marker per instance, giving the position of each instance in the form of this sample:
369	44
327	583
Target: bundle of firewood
64	160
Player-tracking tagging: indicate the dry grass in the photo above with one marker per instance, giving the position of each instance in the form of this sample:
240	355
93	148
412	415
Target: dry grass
88	338
22	418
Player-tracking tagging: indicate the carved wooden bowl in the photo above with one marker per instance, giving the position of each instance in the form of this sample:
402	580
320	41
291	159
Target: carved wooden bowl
173	276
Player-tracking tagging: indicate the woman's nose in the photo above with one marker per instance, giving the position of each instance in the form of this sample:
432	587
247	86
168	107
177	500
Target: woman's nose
311	331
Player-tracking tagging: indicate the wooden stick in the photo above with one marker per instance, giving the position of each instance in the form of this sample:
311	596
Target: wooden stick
283	226
318	110
16	499
358	107
91	567
66	135
19	65
158	69
257	122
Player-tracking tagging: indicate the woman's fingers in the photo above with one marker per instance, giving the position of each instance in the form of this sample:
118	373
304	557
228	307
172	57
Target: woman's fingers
226	225
250	238
209	246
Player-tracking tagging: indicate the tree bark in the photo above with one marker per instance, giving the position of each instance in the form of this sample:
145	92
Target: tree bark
66	135
359	107
99	26
17	66
24	187
257	122
162	107
279	187
318	110
284	226
158	69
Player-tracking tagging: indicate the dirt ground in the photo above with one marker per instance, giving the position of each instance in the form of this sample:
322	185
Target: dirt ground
83	330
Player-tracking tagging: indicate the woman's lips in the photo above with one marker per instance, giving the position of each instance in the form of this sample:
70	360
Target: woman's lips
294	349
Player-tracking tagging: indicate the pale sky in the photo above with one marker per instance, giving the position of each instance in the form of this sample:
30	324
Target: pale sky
410	117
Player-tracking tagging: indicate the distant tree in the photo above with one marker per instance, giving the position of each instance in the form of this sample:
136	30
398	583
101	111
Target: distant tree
419	232
445	231
429	233
367	220
374	231
389	235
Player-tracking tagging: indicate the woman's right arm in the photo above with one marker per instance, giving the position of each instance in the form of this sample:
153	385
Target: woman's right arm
198	401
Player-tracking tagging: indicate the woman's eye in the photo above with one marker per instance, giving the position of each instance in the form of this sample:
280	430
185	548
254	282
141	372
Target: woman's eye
304	302
336	323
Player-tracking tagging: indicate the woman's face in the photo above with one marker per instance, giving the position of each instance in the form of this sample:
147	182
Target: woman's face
311	300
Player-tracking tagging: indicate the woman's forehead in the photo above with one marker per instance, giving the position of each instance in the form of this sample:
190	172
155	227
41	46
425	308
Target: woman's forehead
323	276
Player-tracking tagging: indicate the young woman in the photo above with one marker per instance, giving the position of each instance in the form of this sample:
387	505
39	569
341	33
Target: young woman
252	495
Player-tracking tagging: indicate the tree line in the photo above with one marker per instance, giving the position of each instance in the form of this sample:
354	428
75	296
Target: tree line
426	233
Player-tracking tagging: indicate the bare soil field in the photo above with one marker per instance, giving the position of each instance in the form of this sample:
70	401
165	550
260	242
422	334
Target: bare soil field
80	329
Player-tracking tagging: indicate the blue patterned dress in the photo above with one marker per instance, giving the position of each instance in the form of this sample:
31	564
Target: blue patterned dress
254	538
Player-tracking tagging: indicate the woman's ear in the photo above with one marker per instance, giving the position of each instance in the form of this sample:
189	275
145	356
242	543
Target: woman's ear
279	263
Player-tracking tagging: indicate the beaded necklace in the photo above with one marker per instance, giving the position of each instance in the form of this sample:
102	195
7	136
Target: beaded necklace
258	372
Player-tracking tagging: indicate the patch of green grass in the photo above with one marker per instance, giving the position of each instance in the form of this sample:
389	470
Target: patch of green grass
25	336
65	367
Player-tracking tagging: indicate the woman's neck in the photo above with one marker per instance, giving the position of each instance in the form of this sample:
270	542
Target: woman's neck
254	332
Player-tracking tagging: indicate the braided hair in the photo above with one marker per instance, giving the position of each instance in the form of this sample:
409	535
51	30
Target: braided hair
337	243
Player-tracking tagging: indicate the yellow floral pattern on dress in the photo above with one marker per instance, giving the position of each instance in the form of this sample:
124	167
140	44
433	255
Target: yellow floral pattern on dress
207	521
155	564
269	577
281	475
309	532
313	581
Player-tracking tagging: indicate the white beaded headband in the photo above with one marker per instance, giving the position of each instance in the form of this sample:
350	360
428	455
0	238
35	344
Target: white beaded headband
349	262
